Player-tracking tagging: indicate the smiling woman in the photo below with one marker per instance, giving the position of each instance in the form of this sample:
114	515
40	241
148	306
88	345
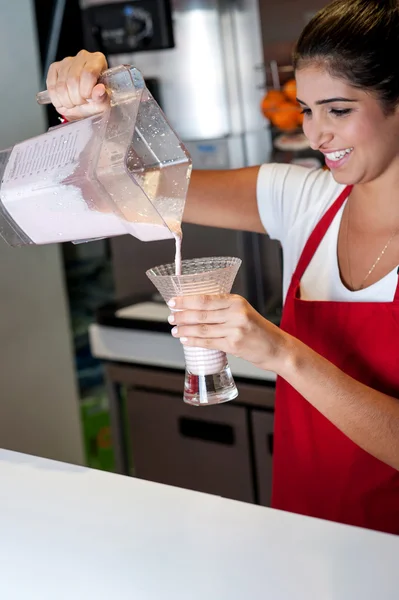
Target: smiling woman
336	442
344	119
356	68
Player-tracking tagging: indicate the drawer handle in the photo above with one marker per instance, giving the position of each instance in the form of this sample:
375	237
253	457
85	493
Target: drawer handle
206	431
270	443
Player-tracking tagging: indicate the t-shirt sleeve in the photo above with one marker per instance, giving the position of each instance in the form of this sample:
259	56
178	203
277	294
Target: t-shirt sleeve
286	193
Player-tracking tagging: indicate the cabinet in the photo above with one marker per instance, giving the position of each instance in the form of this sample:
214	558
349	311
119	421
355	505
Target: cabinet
204	450
224	450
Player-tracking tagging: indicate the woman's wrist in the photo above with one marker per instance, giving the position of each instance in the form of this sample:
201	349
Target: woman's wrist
286	358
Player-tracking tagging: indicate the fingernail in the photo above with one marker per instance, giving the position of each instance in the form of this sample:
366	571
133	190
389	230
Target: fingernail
172	302
174	331
171	319
183	340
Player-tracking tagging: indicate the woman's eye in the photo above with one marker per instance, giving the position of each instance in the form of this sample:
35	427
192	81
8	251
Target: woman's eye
340	112
336	112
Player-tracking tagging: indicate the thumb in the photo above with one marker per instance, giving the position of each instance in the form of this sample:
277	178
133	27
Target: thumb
99	94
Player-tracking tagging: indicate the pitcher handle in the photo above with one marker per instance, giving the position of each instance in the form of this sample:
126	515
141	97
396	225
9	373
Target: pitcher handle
117	81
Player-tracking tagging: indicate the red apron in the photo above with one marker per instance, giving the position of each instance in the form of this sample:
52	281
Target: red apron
317	470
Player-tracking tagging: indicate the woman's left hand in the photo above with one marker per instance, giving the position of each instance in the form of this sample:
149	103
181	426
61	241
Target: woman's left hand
228	323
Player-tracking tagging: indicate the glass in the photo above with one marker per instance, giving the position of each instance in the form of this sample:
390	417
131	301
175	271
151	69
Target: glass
124	171
208	378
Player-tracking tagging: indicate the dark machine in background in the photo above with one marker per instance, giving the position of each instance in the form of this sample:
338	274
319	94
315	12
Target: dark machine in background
114	28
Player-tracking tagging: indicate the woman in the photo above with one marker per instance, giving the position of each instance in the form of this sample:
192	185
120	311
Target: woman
337	351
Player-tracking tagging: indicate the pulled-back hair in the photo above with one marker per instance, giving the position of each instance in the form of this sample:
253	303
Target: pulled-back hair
358	41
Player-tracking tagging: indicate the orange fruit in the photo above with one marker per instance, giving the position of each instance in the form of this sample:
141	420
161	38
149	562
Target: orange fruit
271	102
289	90
287	117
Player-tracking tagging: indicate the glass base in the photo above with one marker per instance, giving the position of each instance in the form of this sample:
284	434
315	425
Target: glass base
204	390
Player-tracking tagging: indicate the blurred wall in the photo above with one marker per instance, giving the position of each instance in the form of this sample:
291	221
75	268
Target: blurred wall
282	23
38	395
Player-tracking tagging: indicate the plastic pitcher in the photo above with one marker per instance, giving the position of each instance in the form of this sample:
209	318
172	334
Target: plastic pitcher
124	171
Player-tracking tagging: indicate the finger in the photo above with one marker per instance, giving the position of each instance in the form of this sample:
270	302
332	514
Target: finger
85	110
201	302
74	77
220	344
200	331
99	93
56	85
198	316
61	87
98	105
93	66
51	82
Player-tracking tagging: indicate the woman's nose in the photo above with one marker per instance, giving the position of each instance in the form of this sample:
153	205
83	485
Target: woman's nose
317	133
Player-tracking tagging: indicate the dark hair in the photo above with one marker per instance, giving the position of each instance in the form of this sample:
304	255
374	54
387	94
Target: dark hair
356	40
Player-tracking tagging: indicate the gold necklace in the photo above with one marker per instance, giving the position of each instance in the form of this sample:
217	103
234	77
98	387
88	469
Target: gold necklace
394	234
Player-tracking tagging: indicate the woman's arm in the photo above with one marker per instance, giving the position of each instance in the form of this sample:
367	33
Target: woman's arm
224	199
369	418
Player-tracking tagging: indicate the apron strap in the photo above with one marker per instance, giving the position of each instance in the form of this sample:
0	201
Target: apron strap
316	237
396	297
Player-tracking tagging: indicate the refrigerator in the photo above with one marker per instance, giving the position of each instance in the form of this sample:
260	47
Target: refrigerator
203	62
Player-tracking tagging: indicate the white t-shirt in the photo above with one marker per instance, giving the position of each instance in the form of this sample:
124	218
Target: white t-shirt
291	201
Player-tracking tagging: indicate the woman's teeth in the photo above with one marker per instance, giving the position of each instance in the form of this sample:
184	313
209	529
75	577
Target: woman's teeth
338	155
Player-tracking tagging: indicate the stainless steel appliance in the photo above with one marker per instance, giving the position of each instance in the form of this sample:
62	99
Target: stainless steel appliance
205	68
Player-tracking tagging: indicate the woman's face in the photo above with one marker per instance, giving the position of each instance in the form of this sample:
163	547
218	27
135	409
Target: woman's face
360	142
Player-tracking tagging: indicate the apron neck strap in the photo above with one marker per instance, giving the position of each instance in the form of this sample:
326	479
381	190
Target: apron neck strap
396	298
317	235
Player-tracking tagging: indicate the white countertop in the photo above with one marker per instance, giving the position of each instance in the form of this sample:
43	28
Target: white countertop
153	348
70	533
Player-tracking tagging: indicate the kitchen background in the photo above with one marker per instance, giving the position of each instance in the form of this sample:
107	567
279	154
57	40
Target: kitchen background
52	390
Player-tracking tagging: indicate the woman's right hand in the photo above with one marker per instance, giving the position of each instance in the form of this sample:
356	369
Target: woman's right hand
73	88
